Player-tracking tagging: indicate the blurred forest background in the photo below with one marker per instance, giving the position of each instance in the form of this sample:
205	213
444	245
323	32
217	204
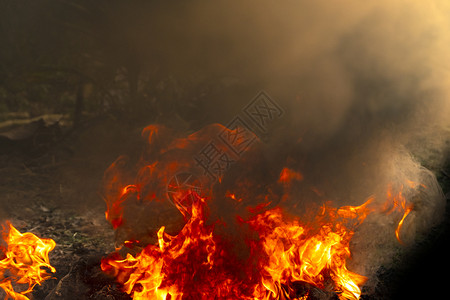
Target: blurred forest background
78	60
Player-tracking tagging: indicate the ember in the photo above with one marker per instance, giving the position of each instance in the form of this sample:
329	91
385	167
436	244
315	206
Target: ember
25	262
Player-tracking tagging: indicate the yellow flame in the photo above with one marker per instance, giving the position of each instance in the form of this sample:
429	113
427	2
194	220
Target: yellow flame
26	258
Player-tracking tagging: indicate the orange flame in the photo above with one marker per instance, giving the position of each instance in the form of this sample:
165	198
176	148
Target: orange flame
25	262
400	223
196	264
397	202
297	253
174	265
200	262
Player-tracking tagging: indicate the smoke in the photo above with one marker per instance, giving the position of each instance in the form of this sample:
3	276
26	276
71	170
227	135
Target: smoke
366	61
351	75
363	84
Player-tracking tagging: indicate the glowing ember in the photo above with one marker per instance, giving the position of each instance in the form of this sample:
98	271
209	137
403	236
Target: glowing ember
25	262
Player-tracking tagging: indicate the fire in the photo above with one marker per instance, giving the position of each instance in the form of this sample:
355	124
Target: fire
400	224
178	265
397	202
297	253
279	256
197	264
25	262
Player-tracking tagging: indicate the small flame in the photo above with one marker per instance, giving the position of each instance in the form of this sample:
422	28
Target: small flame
400	223
233	196
25	262
397	202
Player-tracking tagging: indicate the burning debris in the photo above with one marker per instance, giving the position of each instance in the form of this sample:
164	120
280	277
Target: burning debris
24	263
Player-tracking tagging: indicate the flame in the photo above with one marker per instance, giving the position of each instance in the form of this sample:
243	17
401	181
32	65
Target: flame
233	196
196	260
397	202
200	261
153	175
196	263
400	223
297	253
25	262
175	266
